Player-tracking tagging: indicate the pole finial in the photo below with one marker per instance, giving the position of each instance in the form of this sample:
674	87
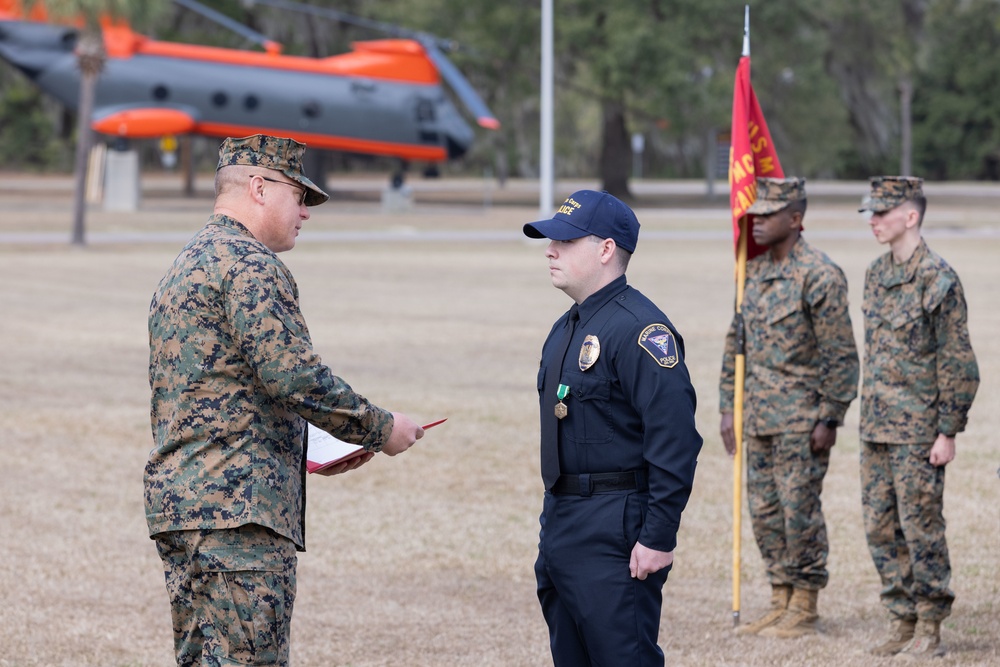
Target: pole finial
746	30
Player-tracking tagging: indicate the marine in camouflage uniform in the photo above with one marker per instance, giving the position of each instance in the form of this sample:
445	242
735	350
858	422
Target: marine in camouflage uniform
801	375
919	381
234	381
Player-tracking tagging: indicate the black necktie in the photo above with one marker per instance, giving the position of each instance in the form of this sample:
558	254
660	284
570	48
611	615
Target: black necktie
550	425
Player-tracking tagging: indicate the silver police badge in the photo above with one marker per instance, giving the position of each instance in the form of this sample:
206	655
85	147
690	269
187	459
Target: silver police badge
589	352
659	341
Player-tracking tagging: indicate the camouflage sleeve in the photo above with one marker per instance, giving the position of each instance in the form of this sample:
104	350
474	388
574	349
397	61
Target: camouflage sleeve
839	366
957	370
727	378
268	327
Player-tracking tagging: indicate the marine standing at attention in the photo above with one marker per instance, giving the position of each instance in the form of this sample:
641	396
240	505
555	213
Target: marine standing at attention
234	381
618	443
920	379
801	376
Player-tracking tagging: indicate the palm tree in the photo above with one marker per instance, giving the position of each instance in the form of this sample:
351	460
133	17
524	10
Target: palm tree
91	56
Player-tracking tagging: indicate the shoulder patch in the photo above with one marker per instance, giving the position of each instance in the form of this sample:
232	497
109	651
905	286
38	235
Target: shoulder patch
659	341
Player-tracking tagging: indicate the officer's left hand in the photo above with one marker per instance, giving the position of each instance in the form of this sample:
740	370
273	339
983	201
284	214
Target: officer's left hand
350	464
823	438
646	561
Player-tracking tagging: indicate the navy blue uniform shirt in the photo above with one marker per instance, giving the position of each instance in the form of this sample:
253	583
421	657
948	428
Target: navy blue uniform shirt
633	409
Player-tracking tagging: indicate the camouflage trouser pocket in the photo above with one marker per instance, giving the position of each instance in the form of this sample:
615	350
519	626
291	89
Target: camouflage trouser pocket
231	595
243	592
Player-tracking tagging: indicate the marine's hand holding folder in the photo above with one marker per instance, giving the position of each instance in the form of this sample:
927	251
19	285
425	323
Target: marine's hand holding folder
326	451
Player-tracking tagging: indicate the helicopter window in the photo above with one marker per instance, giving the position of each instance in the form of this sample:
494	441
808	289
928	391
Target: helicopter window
250	102
425	110
310	109
160	92
69	41
220	99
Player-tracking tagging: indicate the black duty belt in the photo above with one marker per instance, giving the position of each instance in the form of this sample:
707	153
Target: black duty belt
590	483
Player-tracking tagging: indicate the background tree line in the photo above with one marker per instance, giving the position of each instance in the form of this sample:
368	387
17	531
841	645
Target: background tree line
850	88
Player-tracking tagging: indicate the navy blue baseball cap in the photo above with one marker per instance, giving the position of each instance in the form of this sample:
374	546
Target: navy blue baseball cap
587	212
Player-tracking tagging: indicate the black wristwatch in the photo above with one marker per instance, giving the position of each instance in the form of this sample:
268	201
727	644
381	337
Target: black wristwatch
831	423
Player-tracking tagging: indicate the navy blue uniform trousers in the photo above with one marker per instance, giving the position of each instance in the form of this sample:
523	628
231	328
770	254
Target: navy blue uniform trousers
598	615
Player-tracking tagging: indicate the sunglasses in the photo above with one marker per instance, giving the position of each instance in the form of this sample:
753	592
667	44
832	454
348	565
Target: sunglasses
302	197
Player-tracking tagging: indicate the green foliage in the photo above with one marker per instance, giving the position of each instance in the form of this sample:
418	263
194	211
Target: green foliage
827	75
28	139
497	49
799	99
140	13
957	119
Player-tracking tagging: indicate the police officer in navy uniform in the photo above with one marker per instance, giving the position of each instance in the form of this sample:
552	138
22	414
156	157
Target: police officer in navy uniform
618	443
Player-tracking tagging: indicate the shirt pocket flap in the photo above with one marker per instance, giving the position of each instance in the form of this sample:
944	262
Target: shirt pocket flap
590	387
902	317
782	309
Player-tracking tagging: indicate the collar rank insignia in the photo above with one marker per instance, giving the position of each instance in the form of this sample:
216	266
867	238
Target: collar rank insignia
589	352
659	341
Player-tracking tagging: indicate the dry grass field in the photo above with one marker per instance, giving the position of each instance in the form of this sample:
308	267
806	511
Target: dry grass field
440	311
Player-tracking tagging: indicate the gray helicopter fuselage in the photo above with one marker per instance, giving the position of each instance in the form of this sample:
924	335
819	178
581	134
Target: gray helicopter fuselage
227	97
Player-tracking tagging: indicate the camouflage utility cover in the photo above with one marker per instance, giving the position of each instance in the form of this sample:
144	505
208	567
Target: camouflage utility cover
234	377
920	374
775	194
888	192
801	360
277	153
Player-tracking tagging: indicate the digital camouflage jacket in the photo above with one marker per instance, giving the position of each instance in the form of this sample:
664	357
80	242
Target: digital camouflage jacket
920	372
234	378
801	360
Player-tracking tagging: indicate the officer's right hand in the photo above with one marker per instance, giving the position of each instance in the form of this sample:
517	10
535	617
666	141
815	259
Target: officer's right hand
405	432
728	433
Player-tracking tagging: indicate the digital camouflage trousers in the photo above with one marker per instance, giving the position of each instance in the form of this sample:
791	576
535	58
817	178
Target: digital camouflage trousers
231	595
902	495
784	482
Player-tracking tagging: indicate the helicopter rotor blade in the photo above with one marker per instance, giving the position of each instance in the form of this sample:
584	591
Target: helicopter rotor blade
470	98
434	47
333	14
217	17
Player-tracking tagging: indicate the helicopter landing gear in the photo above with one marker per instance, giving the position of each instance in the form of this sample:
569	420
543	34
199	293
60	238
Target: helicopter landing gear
398	177
397	196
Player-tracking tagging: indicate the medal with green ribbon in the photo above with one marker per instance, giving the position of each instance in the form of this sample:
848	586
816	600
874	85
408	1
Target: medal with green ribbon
561	393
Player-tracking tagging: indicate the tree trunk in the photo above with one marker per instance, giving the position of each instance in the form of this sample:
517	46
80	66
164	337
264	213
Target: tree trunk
90	57
905	125
526	166
616	151
88	84
187	164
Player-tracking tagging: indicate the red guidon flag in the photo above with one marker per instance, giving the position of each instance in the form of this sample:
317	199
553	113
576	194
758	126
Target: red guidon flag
751	153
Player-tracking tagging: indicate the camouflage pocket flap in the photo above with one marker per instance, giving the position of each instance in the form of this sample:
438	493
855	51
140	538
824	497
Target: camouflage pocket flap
782	309
240	559
901	318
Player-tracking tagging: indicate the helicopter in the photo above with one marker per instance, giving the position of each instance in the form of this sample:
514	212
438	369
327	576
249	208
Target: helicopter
383	98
